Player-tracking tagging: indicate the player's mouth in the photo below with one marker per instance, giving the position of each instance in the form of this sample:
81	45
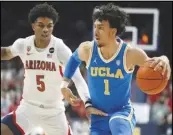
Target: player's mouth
97	38
44	36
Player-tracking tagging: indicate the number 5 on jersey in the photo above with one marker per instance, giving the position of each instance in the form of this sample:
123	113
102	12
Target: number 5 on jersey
40	83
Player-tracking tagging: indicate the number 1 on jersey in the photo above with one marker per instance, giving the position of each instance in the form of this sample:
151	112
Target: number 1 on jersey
106	82
41	84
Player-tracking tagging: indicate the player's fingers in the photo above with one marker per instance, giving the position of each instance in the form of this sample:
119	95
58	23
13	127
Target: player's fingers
101	113
168	72
73	97
164	69
158	65
74	104
71	100
74	101
98	112
154	63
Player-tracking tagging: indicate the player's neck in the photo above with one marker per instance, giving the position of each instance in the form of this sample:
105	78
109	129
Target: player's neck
109	49
41	43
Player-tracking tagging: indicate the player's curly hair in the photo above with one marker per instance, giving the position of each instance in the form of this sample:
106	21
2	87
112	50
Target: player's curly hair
117	18
43	10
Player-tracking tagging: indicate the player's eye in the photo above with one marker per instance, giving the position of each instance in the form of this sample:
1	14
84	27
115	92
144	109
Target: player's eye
41	26
49	26
99	27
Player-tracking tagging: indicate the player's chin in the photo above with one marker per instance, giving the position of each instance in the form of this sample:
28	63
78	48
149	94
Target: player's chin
99	45
45	37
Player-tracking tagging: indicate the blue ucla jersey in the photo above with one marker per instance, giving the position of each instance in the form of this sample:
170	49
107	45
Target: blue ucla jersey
109	81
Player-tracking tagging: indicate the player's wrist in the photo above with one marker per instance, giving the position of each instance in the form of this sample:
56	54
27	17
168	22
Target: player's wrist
64	84
88	103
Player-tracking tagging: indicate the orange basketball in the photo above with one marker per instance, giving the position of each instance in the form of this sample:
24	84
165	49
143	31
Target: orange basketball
150	81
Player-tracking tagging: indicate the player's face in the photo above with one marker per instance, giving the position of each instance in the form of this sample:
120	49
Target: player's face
103	32
43	28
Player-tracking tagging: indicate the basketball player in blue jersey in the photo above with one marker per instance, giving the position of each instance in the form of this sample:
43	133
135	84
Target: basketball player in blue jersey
110	64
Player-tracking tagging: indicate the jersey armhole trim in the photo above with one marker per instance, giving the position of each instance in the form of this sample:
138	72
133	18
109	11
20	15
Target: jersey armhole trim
125	63
90	55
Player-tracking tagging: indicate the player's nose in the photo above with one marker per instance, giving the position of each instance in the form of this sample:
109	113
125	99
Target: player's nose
96	35
45	30
95	32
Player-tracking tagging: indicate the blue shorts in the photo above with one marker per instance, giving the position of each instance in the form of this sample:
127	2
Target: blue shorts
121	122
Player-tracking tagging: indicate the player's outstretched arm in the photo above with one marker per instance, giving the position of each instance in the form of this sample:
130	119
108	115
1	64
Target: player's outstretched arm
6	53
65	55
136	56
72	72
71	63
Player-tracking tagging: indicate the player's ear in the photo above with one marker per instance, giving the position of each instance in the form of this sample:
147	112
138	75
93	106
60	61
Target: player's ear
114	31
33	26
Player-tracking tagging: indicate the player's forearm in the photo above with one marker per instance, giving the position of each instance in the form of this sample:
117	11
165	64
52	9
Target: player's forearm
71	66
71	73
81	86
5	53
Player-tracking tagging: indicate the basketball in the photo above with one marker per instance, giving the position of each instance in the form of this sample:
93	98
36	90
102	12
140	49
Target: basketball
149	81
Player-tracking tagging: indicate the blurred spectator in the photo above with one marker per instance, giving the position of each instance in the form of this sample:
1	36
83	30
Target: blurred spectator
170	95
14	104
80	127
5	102
153	98
166	127
160	108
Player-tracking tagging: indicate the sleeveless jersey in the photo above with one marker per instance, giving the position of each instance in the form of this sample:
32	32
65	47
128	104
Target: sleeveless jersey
109	81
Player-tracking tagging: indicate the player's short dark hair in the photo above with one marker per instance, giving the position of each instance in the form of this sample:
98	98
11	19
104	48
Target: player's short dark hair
43	10
117	18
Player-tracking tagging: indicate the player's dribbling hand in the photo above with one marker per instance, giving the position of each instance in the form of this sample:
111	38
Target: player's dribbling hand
92	110
161	64
69	97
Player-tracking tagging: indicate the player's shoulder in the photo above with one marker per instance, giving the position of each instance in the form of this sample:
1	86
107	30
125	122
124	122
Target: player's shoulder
25	40
20	41
86	46
132	51
59	43
56	39
28	38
